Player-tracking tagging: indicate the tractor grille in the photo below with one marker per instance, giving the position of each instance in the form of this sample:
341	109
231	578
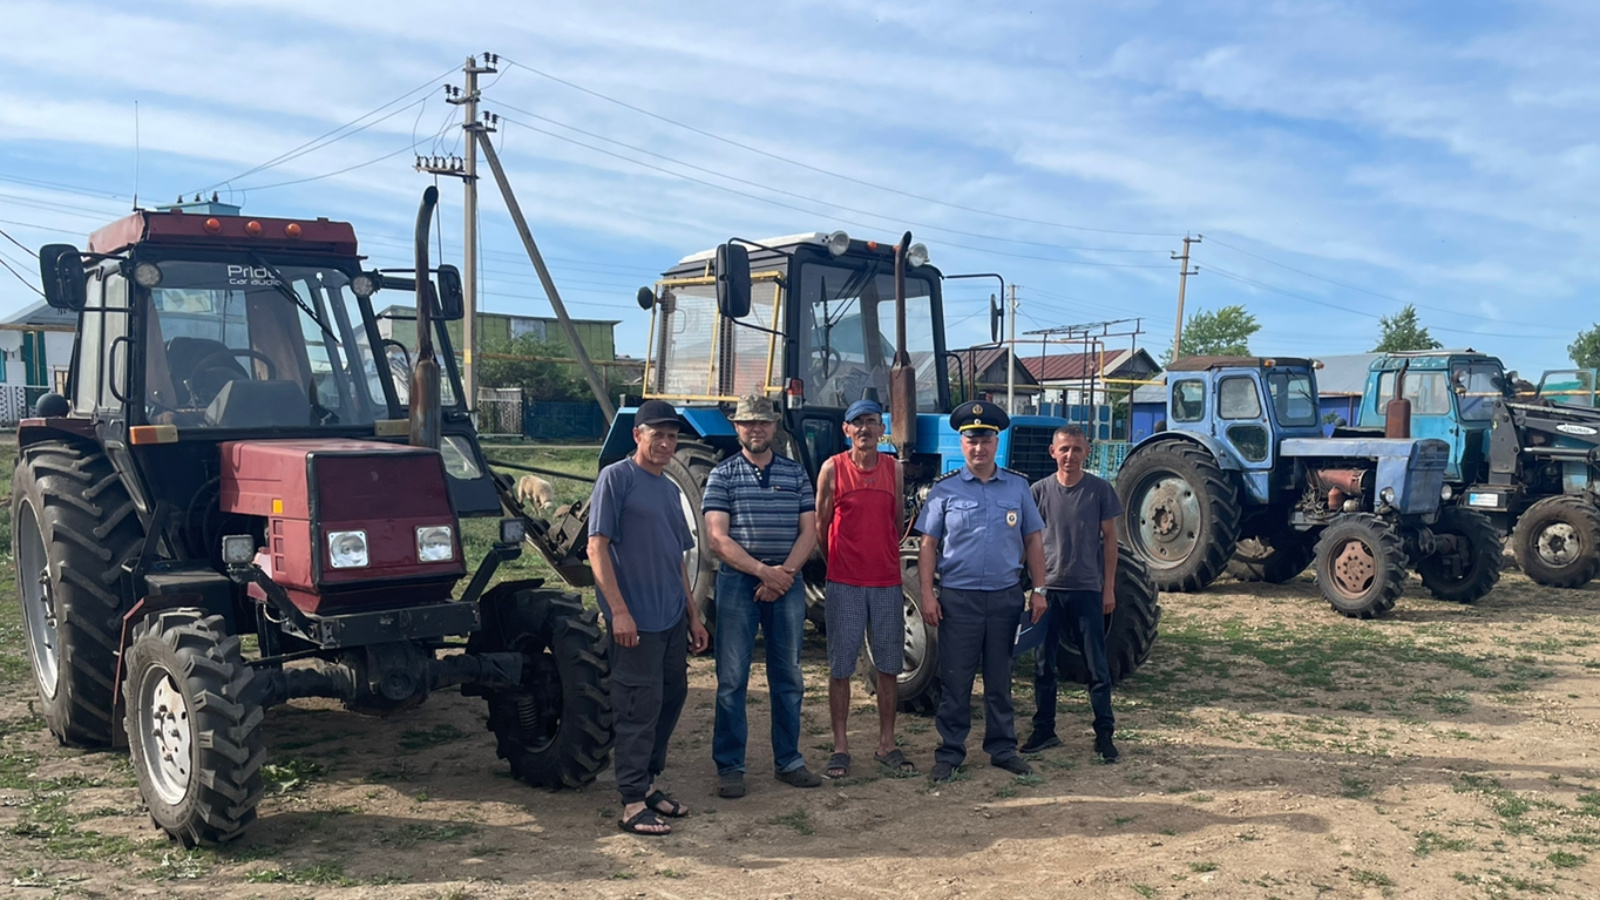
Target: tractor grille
1030	450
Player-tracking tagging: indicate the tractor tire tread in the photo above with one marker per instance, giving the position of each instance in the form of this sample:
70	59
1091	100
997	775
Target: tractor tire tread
1393	564
1221	517
1133	629
1486	551
1579	512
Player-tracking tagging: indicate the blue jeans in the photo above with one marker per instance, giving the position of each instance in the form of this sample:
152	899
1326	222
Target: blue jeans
1076	616
782	621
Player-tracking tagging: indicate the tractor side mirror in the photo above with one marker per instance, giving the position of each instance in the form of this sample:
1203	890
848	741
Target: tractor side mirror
66	286
451	304
646	298
733	280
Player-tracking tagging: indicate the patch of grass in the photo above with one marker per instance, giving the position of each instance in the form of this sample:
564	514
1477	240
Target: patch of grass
289	776
1206	866
326	873
1371	878
417	739
179	865
1006	791
799	820
1429	842
1561	859
414	833
1144	890
1354	788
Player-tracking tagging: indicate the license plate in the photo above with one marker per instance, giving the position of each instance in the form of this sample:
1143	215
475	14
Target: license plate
1492	501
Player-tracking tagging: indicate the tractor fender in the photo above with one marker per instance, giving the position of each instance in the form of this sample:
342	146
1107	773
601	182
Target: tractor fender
1225	460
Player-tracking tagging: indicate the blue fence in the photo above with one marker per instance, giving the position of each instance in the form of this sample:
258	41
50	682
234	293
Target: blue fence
550	421
1105	458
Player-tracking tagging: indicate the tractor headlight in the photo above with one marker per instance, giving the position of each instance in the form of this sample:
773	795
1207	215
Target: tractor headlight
435	543
917	255
347	549
238	549
1387	495
512	531
1447	493
838	243
147	274
363	285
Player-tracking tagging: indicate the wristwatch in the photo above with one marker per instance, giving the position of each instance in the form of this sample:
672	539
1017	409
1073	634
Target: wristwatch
1038	590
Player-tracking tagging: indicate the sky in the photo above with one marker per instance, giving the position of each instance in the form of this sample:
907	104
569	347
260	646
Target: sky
1338	159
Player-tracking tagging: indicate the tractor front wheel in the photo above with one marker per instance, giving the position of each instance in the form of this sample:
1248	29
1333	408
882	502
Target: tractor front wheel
1182	514
555	728
689	469
1131	631
1361	565
1557	542
1466	565
194	729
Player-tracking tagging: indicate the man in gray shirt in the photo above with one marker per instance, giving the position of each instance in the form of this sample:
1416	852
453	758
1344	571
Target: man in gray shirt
1080	549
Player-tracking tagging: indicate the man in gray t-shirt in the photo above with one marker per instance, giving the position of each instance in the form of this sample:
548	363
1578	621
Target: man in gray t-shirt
1080	550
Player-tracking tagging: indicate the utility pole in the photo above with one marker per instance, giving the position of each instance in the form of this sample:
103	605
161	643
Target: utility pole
468	100
1183	280
1011	358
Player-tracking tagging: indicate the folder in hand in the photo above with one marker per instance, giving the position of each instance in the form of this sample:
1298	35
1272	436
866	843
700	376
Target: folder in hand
1030	634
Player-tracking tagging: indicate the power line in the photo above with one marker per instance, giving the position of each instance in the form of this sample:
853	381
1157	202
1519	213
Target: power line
297	151
19	277
822	171
18	243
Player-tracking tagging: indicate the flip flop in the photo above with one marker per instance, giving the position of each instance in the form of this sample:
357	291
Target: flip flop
838	763
896	763
655	800
643	820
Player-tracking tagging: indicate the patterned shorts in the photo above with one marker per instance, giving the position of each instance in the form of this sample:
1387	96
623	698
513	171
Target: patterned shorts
854	612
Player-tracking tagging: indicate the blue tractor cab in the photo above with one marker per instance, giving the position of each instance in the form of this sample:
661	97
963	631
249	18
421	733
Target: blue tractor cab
1242	480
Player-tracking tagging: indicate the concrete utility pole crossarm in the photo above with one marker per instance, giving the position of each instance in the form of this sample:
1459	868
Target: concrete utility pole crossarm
1183	280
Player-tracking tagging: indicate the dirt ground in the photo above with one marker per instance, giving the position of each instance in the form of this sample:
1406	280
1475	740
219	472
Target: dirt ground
1271	749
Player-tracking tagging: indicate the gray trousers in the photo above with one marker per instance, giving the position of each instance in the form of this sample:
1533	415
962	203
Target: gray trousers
978	628
649	684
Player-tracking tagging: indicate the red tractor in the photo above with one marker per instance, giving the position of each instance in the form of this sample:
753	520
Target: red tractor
238	502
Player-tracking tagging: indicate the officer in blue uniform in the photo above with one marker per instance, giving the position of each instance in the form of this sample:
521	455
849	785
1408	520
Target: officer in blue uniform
979	526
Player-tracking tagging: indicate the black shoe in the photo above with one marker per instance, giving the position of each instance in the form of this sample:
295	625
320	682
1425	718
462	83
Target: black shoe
1016	765
1106	749
942	773
1040	742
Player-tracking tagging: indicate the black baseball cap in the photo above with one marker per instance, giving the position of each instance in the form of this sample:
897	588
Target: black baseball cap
655	412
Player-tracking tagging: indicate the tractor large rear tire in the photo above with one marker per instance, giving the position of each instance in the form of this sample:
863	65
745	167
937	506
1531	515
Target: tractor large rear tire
73	526
1133	627
1361	565
1479	549
1557	541
1273	558
1182	514
918	684
689	469
194	730
555	729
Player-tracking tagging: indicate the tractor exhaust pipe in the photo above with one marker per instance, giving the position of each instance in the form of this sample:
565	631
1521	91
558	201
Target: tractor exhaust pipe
426	421
1397	412
902	376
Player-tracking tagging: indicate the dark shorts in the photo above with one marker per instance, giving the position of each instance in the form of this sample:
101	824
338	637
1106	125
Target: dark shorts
855	612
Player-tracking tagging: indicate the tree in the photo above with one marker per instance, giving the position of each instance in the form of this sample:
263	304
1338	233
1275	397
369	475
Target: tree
1402	332
1585	351
528	363
1225	332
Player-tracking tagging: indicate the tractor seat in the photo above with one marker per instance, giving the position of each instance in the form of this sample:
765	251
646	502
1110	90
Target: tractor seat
259	404
184	355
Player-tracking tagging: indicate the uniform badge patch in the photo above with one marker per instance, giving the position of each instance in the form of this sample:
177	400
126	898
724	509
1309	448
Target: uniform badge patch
1011	518
977	410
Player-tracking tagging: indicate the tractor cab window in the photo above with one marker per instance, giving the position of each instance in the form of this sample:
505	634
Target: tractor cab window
397	332
1294	400
1188	401
847	326
1574	387
1427	392
1237	398
250	345
1477	386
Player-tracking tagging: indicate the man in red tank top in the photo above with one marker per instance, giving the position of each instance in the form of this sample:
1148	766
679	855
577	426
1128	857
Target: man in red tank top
860	517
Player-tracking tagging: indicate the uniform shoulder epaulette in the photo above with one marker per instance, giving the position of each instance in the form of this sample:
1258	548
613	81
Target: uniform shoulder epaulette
1022	475
948	474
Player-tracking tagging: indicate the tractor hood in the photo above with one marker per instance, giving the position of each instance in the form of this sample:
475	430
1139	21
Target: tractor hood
344	514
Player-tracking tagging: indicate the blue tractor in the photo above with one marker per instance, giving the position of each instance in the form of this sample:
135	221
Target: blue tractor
1525	459
1243	466
818	321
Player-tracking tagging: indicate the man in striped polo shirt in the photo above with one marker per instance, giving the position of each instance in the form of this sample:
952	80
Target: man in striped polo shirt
761	523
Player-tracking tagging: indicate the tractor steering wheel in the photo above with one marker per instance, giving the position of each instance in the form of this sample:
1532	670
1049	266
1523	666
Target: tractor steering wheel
829	358
209	375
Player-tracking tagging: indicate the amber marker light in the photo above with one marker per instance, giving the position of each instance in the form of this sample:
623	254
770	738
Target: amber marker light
213	225
252	228
292	229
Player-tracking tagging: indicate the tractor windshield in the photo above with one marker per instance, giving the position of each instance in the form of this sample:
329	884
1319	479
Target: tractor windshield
1294	401
846	338
226	348
1477	385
